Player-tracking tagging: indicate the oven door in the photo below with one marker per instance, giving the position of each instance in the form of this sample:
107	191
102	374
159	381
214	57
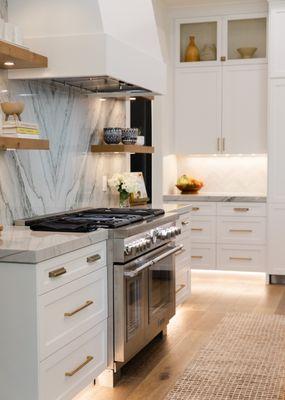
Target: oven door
144	300
161	290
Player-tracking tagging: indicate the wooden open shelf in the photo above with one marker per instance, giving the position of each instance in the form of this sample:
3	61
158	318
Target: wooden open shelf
23	144
121	148
23	58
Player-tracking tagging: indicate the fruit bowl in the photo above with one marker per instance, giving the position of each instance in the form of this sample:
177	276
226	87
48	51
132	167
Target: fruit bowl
189	185
247	52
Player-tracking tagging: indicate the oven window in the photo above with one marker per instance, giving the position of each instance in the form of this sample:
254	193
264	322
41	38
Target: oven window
161	284
134	305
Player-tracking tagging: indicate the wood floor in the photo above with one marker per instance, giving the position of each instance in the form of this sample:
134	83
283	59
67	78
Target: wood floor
153	372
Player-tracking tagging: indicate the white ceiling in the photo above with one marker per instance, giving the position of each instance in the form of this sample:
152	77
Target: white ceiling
183	3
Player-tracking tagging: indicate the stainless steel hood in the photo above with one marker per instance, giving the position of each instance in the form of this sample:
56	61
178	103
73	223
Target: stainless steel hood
97	45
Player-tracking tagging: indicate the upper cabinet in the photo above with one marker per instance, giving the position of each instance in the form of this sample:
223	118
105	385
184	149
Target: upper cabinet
220	97
231	40
276	39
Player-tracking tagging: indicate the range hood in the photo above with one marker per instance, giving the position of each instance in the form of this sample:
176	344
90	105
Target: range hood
97	45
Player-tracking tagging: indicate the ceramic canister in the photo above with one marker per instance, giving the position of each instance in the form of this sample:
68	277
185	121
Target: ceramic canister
129	135
112	135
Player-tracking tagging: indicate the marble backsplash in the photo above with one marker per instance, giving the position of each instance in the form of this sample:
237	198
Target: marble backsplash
68	176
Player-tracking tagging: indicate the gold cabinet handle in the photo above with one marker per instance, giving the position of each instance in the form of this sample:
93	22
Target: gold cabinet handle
87	361
87	304
241	230
218	144
223	144
241	258
184	223
94	258
180	287
197	229
241	209
223	58
57	272
196	257
195	208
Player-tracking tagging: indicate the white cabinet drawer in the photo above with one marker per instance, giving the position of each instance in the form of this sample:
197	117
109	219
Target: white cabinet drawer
241	258
203	229
69	311
241	230
242	209
63	269
182	259
203	256
205	208
183	285
73	367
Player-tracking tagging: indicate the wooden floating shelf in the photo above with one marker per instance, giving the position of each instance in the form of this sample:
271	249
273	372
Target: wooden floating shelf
21	57
121	148
23	143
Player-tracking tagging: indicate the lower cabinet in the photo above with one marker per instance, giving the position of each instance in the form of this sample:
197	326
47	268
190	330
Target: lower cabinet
276	235
183	261
229	236
54	336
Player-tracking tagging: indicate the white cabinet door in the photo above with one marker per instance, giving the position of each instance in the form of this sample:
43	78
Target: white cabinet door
276	239
244	123
197	105
276	142
276	40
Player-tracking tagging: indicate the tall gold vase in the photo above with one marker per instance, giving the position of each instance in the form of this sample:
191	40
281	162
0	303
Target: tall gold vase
192	52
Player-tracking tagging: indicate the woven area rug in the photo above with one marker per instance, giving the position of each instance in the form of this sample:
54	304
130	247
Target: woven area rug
244	360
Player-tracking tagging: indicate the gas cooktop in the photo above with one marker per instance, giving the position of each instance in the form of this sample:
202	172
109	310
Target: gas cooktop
91	219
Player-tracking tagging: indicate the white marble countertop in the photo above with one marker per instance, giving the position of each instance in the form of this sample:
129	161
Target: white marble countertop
217	197
21	245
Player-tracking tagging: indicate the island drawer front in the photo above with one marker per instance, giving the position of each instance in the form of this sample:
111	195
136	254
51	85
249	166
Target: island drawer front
183	259
183	285
69	311
60	270
203	229
242	209
241	258
184	222
203	256
241	230
68	371
203	208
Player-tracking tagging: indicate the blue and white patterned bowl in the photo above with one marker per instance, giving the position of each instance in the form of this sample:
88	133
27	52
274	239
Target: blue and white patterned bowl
112	135
129	135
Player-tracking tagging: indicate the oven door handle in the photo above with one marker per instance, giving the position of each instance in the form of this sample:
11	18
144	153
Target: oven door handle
135	272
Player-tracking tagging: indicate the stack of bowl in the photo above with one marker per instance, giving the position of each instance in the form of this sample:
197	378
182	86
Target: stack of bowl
118	135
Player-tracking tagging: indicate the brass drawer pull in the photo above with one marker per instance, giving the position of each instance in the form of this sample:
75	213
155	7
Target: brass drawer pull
94	258
87	304
180	287
57	272
197	257
197	229
241	209
241	258
195	208
87	361
241	230
184	223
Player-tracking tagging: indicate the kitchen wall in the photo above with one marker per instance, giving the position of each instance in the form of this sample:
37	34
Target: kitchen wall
68	176
230	174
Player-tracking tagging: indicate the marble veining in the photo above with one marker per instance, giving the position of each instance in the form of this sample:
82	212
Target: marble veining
68	176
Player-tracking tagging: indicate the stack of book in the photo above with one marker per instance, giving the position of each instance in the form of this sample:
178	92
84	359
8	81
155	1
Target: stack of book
20	129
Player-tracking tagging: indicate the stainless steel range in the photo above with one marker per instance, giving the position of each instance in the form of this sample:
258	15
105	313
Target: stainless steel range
144	289
142	272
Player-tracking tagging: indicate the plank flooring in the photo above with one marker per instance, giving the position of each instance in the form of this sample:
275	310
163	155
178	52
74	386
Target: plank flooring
154	370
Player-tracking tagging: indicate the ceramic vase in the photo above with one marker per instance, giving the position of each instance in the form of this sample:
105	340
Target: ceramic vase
112	135
129	135
192	52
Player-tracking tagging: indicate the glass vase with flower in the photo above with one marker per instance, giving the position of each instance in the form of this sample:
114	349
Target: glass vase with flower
125	184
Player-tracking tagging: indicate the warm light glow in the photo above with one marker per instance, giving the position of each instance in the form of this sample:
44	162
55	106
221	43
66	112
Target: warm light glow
102	99
133	98
4	91
9	63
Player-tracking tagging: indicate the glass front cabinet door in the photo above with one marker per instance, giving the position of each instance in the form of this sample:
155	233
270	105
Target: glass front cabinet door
238	39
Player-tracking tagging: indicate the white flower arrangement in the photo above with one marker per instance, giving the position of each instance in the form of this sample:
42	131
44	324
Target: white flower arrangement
124	183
